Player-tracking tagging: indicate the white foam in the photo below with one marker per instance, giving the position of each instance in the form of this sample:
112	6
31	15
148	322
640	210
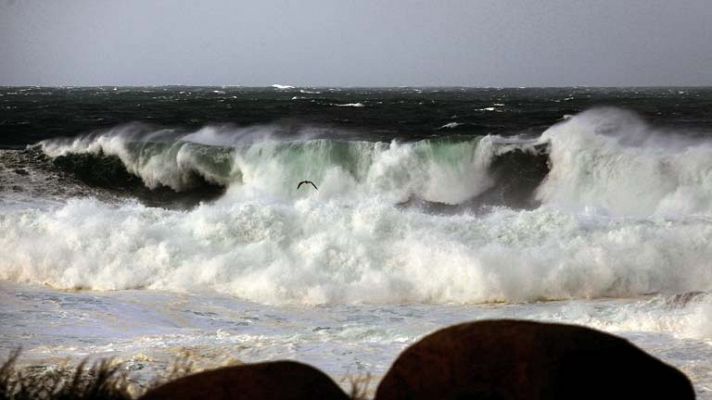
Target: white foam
626	212
610	160
314	252
282	87
150	328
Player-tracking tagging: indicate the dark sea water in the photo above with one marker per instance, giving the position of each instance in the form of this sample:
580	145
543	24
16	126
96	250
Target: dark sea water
31	114
138	222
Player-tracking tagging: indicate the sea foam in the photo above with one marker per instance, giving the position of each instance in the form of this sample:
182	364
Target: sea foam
610	160
624	212
315	252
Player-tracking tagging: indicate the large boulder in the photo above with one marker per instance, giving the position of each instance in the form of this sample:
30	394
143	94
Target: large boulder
517	360
284	380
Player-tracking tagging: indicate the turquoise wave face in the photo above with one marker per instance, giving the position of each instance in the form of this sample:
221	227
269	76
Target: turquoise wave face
448	171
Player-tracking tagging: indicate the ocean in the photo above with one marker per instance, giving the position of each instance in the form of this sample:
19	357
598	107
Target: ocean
154	223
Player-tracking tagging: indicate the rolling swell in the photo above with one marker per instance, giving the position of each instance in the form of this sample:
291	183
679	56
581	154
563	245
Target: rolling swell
108	172
608	160
441	175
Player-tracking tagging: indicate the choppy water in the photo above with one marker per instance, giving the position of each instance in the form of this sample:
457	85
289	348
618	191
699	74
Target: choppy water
175	213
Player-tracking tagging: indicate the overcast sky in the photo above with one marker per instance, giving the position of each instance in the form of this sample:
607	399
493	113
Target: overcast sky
356	43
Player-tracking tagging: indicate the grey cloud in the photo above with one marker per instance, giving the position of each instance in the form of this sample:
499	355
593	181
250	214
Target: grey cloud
356	43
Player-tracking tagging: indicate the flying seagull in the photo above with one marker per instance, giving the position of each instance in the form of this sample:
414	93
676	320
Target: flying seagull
309	182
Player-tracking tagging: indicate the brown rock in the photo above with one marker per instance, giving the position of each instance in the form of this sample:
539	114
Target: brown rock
284	380
517	360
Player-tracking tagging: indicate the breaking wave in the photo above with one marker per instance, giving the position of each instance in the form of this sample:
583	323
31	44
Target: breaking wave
600	205
611	161
256	164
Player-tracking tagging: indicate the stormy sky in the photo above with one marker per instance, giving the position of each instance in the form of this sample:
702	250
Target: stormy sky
356	43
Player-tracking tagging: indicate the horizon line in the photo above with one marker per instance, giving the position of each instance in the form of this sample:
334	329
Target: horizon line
292	87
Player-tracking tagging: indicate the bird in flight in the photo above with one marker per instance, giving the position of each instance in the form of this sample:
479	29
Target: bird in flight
309	182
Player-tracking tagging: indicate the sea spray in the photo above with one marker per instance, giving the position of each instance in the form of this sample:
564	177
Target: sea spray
441	171
316	252
612	161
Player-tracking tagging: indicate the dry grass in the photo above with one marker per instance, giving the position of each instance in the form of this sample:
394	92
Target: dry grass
181	366
101	380
104	379
359	386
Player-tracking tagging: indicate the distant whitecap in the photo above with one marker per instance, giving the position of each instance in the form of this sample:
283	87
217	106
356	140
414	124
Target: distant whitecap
357	105
451	125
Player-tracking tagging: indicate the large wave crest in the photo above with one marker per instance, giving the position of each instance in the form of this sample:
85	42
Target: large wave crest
625	211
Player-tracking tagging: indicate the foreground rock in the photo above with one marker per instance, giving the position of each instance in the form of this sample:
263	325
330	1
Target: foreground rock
516	360
284	380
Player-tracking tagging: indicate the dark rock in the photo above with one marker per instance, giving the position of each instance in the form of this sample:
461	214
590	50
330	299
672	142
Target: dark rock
284	380
518	360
